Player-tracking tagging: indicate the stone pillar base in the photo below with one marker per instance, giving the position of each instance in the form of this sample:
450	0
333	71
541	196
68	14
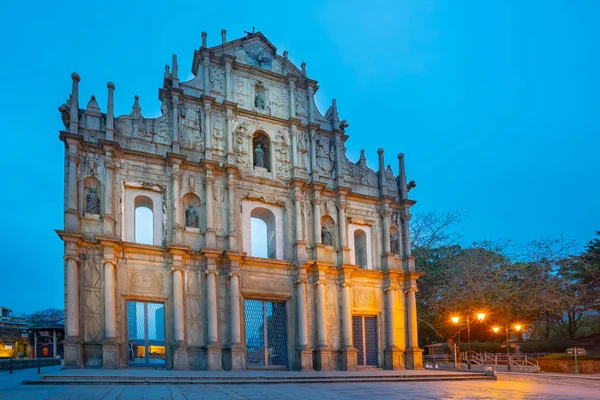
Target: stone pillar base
238	358
300	251
110	354
210	239
72	348
213	354
414	358
304	359
344	256
349	359
109	225
323	360
180	357
393	358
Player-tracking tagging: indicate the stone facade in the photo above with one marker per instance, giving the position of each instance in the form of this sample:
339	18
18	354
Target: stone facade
338	237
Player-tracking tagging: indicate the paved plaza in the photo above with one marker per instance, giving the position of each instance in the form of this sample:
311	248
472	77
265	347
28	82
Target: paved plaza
506	387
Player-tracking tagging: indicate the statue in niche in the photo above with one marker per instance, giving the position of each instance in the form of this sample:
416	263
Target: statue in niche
394	248
326	237
259	157
92	202
259	101
191	217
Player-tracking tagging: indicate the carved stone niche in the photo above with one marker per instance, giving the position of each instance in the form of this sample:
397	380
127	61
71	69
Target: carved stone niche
91	199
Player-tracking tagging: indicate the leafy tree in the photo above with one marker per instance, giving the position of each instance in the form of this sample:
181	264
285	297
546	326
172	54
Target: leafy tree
50	316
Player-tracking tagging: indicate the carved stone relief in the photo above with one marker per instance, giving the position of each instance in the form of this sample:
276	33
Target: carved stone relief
219	195
190	130
265	285
331	316
282	154
193	309
93	299
301	108
138	280
325	155
364	299
278	102
217	81
218	138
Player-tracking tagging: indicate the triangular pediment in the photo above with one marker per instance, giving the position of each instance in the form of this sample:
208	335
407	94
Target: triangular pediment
256	50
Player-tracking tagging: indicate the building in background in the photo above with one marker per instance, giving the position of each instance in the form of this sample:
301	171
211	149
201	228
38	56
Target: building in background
47	340
232	231
14	338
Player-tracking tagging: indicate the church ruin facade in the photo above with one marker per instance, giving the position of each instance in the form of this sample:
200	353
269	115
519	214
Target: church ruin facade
232	232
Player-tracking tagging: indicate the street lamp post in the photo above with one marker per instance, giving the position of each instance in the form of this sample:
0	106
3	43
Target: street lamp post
480	318
496	330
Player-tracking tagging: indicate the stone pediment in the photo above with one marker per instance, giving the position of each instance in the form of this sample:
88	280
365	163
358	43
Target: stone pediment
257	51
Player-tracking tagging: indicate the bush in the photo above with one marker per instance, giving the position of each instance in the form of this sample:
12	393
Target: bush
570	357
545	346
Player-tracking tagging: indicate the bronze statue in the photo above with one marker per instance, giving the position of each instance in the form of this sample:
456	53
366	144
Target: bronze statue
92	202
259	157
394	244
191	217
326	237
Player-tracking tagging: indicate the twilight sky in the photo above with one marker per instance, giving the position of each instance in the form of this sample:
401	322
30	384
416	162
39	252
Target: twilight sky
494	103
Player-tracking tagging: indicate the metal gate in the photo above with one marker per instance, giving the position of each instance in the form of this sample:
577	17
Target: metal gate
364	332
266	334
146	333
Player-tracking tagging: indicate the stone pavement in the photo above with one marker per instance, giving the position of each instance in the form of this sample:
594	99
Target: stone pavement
511	387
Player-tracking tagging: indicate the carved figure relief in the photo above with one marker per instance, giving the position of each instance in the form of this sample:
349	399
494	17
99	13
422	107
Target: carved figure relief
325	155
218	138
259	157
241	92
259	96
258	56
302	149
241	150
219	195
281	154
301	109
216	81
278	102
190	130
92	202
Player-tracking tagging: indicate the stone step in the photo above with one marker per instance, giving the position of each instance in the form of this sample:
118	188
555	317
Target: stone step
186	380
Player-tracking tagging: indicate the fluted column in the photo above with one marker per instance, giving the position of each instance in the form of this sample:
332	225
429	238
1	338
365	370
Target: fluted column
311	112
207	132
211	299
110	309
390	316
228	82
346	316
231	203
175	119
338	157
209	180
406	247
236	337
298	218
411	311
385	219
229	136
206	82
317	221
72	296
294	146
292	98
321	327
176	176
72	188
302	321
342	223
179	331
313	154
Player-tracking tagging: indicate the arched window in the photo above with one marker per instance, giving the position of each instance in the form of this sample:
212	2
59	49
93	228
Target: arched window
263	237
328	231
360	248
144	220
261	151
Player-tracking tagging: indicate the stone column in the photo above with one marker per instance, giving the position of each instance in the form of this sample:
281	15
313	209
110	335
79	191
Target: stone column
108	220
110	354
385	222
298	217
292	84
311	111
314	173
231	223
393	354
72	188
294	147
342	223
210	229
211	299
178	321
72	297
323	354
110	125
228	82
236	336
406	248
176	176
338	158
205	70
413	353
74	105
110	308
347	316
229	136
304	360
207	132
175	119
317	221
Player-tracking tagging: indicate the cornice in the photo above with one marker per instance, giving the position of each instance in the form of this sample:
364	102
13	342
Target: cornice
70	236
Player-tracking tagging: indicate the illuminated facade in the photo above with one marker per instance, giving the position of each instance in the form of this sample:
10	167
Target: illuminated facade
161	262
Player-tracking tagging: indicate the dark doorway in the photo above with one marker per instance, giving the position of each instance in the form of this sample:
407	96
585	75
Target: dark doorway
364	332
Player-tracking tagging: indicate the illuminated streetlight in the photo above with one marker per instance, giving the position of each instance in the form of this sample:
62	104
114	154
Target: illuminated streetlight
496	329
454	320
517	328
481	317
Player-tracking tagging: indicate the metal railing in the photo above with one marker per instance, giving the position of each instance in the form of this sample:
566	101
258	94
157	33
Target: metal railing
485	358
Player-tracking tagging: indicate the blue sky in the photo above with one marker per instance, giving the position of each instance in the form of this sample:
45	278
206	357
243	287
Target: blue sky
494	103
